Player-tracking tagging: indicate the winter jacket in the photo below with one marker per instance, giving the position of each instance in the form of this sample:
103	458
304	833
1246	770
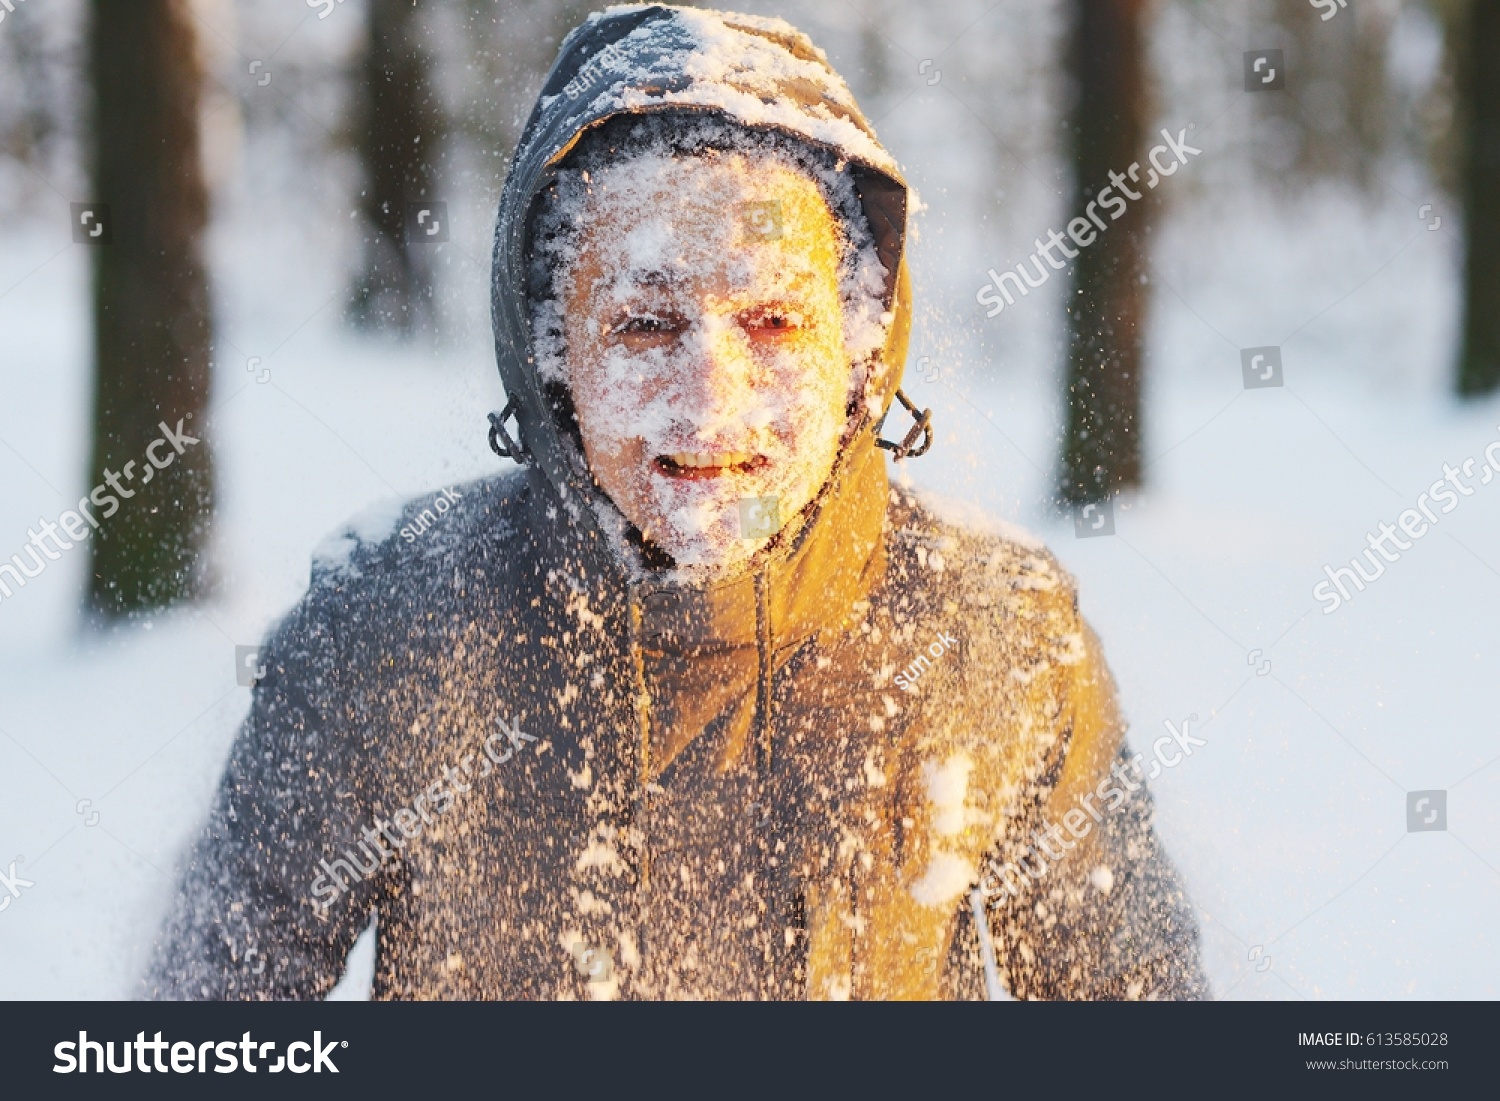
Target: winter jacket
552	771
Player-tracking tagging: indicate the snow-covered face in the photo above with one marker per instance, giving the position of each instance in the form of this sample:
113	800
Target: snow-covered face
705	348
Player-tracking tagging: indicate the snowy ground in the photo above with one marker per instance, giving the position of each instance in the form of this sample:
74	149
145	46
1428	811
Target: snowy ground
1290	825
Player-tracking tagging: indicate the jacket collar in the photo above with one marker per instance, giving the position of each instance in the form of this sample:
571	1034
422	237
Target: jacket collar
831	563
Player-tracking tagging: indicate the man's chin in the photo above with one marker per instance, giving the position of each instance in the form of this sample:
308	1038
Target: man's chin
721	544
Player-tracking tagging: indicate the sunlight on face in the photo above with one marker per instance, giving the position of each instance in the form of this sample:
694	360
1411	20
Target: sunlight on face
705	344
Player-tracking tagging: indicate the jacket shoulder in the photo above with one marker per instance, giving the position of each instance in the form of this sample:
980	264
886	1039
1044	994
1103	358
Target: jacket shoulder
980	561
405	540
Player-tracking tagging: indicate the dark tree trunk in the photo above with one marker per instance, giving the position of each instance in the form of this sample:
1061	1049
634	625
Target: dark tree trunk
1107	300
1479	366
401	131
36	122
152	324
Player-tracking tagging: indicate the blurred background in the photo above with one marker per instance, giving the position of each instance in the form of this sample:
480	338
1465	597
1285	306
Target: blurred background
207	214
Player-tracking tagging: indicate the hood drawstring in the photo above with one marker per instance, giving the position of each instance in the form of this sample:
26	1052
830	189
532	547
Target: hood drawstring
642	704
763	671
764	758
637	810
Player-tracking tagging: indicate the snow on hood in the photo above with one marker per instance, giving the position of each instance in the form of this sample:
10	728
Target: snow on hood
755	72
743	65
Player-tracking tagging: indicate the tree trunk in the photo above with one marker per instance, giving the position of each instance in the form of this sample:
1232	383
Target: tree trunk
1479	365
1107	303
37	116
401	131
152	325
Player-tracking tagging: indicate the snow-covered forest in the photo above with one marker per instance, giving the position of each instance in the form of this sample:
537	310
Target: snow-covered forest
1320	228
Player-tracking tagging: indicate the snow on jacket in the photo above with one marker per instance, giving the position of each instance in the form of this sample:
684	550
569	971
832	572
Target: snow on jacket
552	771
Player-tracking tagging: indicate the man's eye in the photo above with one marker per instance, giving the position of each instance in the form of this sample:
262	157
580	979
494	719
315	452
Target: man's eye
647	324
771	322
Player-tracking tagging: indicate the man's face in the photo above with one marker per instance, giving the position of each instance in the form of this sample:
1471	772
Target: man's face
705	348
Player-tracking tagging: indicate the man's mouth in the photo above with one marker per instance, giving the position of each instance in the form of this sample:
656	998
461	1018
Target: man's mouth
709	464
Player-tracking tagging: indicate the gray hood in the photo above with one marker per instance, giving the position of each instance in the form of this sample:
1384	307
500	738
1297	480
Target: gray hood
641	58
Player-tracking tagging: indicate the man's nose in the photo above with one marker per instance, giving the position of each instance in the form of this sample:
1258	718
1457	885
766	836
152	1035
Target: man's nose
716	374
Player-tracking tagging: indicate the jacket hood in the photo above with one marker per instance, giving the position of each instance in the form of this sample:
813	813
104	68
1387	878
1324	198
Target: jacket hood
759	73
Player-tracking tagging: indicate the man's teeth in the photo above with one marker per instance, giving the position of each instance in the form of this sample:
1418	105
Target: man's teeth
709	458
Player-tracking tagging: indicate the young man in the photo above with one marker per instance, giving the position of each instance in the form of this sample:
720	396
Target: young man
693	704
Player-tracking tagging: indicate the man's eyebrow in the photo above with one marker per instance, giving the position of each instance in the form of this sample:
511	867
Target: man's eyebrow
652	277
